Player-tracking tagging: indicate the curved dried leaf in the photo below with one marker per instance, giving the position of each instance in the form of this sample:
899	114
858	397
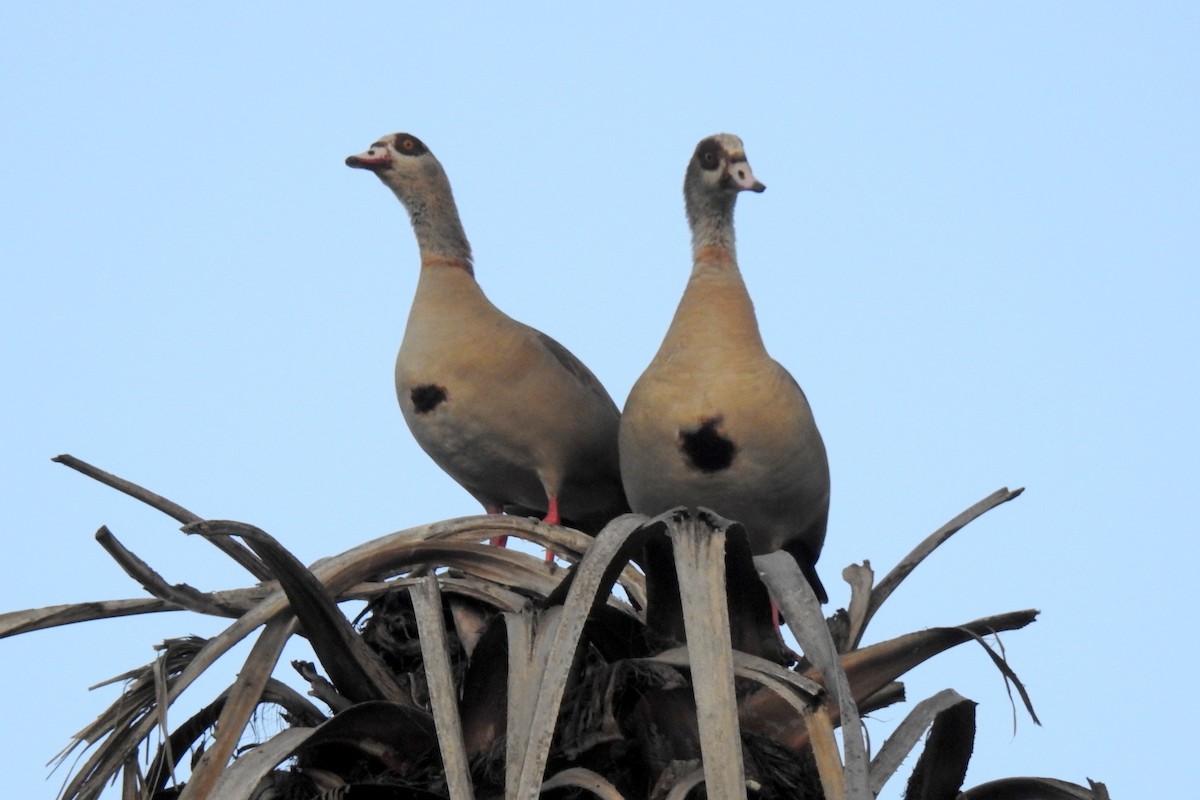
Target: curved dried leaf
396	551
1034	789
699	547
751	667
819	725
109	756
555	644
861	579
300	712
906	736
431	623
684	785
244	696
356	670
781	688
797	693
931	543
36	619
130	488
383	730
524	682
495	596
873	669
377	557
551	639
391	732
869	669
244	776
1010	679
940	770
802	609
582	778
231	548
124	724
230	603
181	595
752	628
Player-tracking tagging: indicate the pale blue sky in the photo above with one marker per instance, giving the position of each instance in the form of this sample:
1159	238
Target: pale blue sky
977	252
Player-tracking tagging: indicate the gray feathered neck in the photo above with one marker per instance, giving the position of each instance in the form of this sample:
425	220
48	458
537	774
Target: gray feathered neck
709	211
429	201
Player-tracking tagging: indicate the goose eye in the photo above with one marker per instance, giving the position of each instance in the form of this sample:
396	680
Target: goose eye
408	145
709	159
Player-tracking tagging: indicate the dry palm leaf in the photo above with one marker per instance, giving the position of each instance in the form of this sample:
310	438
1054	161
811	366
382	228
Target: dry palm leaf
482	671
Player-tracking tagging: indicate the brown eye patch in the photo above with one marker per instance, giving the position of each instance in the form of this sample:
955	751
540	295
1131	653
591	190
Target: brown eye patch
409	145
708	154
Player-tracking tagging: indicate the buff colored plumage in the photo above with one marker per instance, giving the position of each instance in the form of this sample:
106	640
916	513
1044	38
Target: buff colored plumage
505	410
715	421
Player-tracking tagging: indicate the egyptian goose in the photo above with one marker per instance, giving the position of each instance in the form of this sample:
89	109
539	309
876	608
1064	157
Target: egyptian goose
506	411
714	421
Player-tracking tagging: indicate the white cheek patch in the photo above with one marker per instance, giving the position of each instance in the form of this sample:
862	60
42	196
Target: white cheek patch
743	178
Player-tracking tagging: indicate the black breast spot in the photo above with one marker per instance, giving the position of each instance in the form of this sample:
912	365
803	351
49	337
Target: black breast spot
428	397
706	448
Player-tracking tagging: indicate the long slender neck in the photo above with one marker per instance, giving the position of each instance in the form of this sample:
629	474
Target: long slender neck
435	222
710	215
715	312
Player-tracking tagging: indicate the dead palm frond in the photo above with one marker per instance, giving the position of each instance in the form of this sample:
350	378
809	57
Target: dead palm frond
483	672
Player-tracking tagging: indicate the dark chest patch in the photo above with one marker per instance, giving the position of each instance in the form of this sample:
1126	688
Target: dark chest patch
427	397
706	447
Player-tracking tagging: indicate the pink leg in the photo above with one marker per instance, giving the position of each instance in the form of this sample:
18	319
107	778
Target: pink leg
553	518
499	541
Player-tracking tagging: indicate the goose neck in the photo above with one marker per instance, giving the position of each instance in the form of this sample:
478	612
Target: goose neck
711	220
437	227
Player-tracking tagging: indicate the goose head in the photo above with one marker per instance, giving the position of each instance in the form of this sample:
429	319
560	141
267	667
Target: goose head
400	160
715	176
416	177
386	152
719	166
